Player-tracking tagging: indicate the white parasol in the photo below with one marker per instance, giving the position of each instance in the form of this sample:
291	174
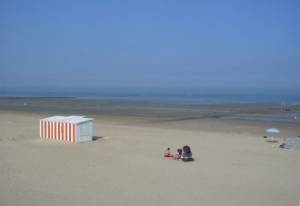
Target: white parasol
272	131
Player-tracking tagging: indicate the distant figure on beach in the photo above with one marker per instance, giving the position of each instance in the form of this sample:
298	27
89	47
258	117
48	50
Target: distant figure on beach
178	155
168	153
186	153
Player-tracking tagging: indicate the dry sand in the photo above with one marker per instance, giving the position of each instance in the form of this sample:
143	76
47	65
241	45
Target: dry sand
233	164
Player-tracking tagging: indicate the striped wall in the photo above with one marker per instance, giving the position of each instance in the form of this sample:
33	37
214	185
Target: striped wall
58	131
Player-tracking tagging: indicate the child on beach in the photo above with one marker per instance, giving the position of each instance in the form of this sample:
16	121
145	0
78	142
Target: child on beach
168	153
178	155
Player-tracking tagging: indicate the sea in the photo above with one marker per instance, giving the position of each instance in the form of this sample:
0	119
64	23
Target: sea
163	95
287	102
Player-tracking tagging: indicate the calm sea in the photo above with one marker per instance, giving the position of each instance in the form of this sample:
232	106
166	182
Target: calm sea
179	96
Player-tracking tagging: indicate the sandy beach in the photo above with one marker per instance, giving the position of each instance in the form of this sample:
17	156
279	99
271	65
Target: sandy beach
94	93
233	164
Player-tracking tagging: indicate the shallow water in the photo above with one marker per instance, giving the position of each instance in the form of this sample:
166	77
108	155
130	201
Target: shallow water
168	111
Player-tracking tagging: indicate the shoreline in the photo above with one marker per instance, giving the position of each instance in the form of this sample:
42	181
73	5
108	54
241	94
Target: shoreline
33	97
157	100
270	113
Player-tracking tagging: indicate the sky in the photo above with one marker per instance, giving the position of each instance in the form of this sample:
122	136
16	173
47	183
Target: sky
150	44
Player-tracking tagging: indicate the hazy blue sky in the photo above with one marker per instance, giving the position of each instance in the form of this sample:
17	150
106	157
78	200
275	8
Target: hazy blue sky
199	44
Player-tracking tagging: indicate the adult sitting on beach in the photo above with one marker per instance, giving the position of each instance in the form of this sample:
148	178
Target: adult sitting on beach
186	153
168	153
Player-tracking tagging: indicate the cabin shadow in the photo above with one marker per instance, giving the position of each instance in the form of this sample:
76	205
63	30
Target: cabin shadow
96	138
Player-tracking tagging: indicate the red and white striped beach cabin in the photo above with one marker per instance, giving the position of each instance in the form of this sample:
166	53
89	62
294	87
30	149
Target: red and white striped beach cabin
71	128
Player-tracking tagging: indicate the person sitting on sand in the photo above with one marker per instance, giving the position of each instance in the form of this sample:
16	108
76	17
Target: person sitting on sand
186	153
178	155
168	153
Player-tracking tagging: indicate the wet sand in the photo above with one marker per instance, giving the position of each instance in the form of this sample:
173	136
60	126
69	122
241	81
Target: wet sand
233	164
